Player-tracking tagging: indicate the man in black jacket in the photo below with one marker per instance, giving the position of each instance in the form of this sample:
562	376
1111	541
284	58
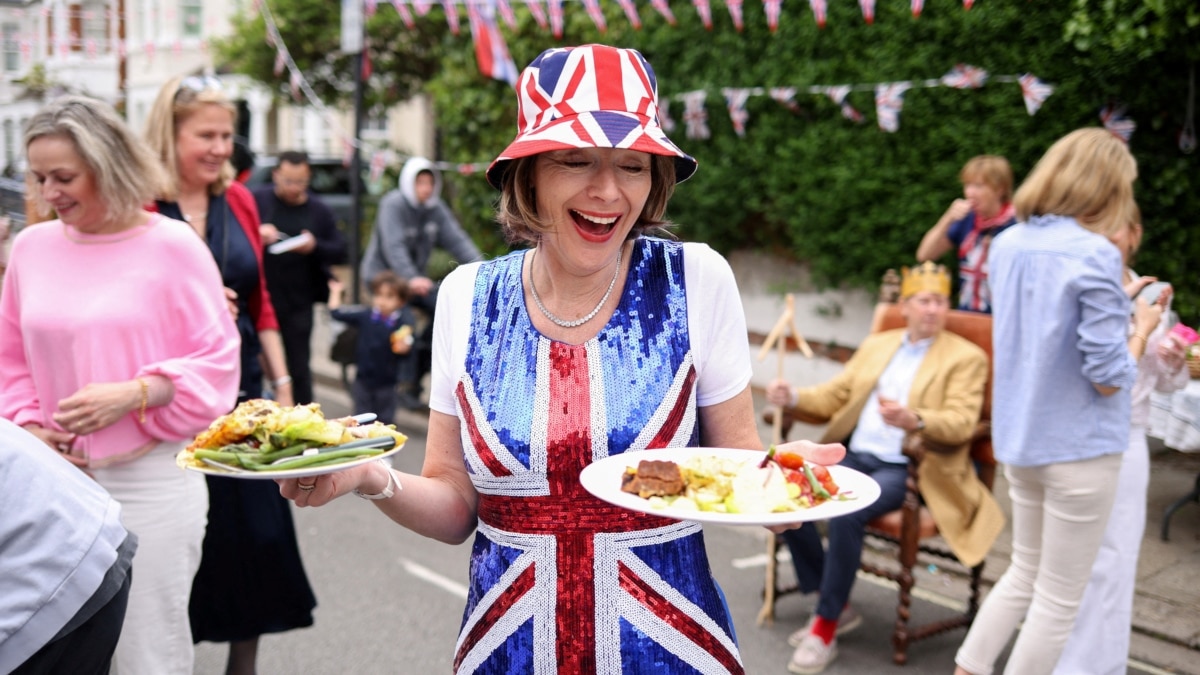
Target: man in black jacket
302	242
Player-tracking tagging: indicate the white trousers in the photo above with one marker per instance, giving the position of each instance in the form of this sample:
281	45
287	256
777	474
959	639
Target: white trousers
167	508
1059	512
1099	644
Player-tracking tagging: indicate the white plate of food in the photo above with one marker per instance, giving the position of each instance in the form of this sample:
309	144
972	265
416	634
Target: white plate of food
704	471
261	440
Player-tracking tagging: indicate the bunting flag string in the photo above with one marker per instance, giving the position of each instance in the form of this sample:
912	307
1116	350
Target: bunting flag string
535	8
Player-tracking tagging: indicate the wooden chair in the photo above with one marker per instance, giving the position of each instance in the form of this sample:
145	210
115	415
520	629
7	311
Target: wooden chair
911	528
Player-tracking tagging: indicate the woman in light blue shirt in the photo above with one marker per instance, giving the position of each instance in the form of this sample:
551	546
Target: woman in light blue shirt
1064	367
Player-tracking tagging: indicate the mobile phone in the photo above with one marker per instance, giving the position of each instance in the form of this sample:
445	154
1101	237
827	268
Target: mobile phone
1153	291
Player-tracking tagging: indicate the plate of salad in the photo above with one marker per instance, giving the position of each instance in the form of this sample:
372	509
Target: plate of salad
263	440
728	486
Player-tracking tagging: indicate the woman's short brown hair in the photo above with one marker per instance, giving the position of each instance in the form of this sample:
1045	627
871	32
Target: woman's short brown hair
1087	175
991	170
517	210
174	104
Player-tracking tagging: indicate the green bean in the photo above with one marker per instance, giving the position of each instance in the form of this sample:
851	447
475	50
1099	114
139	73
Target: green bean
322	458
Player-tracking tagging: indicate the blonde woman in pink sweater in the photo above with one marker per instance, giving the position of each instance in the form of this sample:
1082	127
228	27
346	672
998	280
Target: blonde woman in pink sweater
116	347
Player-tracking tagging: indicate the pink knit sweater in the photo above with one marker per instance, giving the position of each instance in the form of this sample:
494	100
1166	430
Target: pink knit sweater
77	309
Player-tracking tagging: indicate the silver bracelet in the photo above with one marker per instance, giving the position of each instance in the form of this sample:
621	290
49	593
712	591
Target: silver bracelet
280	381
392	487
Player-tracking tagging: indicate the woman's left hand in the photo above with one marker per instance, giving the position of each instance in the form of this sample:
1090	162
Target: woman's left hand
1172	353
97	405
231	299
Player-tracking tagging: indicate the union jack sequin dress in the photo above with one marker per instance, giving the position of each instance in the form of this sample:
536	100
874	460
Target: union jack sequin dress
561	581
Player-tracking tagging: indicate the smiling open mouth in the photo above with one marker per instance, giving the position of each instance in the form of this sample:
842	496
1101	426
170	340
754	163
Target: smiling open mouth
595	225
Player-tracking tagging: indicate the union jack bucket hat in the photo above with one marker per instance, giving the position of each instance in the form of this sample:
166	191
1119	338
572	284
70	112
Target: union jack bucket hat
593	96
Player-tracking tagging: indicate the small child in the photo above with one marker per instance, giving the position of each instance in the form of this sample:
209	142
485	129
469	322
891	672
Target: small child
385	339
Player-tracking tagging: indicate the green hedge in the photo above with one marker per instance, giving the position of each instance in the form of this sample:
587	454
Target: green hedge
850	199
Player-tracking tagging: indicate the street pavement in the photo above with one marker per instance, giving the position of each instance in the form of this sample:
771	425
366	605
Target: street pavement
390	601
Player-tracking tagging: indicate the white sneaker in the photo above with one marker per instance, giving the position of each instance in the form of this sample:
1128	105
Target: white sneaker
848	620
812	656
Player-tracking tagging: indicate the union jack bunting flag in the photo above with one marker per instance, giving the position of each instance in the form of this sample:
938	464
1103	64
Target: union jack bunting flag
1117	122
556	17
451	16
695	117
963	76
837	94
772	8
506	13
631	13
785	96
593	96
735	100
1034	91
596	14
868	10
704	9
405	15
735	13
889	99
917	6
664	9
491	52
819	11
535	8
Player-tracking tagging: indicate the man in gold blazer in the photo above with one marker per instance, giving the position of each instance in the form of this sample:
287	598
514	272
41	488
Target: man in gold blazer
915	380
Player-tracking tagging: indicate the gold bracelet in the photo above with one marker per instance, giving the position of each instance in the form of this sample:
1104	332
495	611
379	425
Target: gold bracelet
1141	337
145	399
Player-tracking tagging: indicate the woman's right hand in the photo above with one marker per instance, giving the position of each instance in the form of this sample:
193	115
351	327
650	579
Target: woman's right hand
779	393
59	441
1146	316
231	297
958	210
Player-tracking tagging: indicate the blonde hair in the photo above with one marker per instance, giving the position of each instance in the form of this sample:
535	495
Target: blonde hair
175	104
125	171
1087	175
991	170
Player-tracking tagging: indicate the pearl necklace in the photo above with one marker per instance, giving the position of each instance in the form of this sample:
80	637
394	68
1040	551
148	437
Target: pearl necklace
537	300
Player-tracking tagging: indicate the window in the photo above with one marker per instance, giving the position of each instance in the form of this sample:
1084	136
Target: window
9	32
95	22
375	123
191	14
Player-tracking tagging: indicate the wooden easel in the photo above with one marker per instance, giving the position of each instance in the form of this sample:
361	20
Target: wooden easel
778	338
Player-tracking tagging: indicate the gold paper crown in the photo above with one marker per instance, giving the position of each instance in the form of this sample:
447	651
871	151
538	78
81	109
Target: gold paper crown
924	277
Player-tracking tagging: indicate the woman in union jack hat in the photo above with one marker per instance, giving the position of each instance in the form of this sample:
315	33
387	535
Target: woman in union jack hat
596	339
